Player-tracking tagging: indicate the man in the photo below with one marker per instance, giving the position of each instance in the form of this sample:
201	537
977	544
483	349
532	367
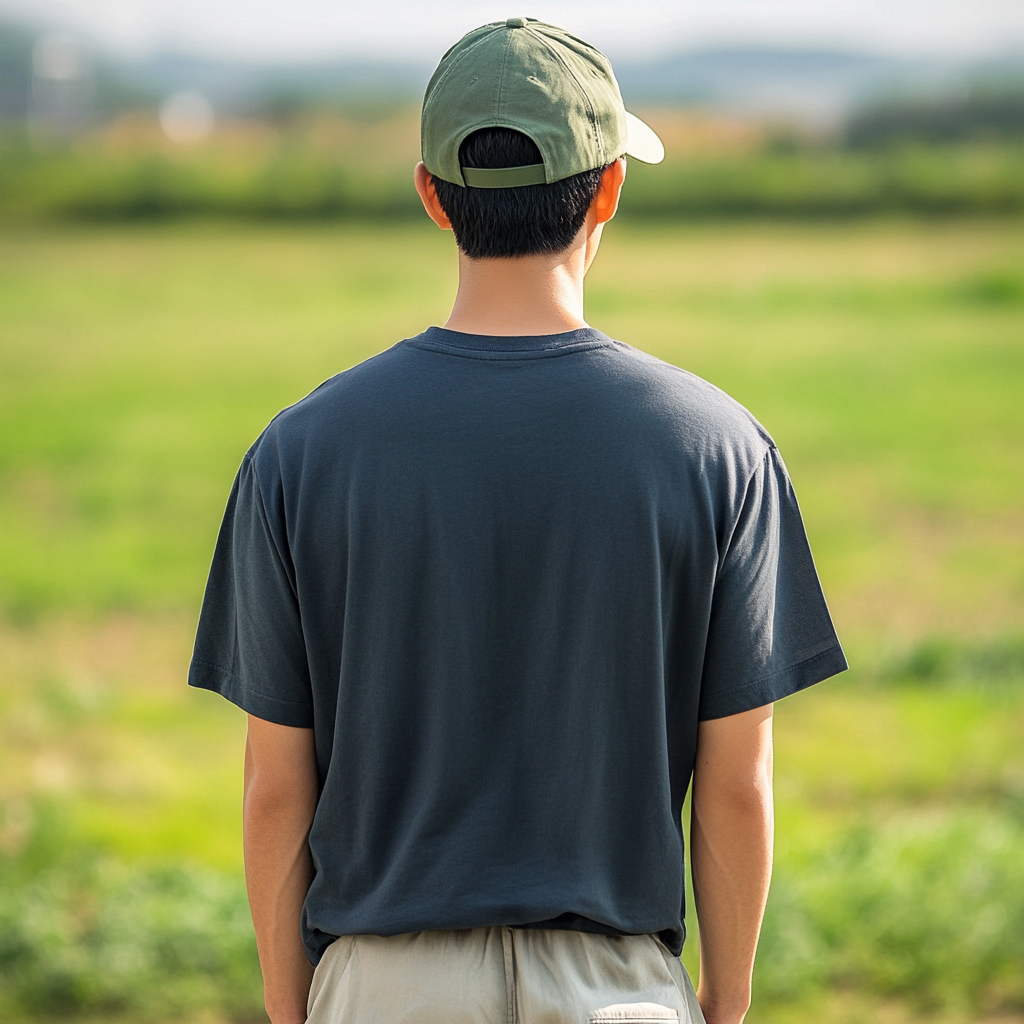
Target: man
491	597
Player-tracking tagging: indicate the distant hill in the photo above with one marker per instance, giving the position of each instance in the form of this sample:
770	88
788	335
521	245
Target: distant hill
819	87
234	87
16	43
241	87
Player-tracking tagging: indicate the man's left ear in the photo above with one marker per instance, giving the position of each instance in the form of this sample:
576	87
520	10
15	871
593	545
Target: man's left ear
606	202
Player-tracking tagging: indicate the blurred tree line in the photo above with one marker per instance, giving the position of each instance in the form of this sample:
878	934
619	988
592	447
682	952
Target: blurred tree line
985	113
293	179
80	139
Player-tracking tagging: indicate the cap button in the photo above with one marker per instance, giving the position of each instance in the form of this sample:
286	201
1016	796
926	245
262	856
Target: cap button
515	23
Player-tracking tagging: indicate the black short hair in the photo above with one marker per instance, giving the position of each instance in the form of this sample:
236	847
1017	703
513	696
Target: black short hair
523	221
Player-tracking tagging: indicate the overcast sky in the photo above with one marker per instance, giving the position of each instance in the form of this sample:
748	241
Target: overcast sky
288	29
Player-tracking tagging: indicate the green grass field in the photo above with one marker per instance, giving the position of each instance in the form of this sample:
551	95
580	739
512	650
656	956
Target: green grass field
137	365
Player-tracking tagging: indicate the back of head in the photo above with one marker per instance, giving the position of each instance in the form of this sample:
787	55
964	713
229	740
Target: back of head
527	220
519	121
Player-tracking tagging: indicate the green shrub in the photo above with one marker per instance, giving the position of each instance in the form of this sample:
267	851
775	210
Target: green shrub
84	934
931	913
937	660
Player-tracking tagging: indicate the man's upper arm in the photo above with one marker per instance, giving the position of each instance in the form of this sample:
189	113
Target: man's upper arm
734	754
281	756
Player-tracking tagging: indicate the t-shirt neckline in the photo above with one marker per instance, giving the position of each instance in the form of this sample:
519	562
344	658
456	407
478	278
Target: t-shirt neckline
443	337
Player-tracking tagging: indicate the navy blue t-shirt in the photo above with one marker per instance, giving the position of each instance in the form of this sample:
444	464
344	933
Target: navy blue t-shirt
502	579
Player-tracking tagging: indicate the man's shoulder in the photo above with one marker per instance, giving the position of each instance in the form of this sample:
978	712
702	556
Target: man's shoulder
363	379
363	386
666	406
708	415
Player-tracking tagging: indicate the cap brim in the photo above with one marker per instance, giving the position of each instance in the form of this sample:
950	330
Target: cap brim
642	142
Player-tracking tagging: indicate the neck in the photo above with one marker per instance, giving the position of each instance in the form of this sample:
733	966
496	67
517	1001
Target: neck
526	295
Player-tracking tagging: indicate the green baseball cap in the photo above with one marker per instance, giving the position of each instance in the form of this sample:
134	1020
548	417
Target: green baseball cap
541	81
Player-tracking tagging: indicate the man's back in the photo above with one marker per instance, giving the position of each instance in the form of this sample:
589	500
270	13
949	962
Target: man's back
514	573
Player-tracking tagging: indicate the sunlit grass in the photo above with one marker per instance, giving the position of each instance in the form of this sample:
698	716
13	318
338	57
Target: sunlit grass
136	366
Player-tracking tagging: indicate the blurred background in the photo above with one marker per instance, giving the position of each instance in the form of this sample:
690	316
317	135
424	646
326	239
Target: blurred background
206	210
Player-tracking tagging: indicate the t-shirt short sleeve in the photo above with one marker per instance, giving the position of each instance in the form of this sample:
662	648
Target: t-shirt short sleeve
249	644
770	632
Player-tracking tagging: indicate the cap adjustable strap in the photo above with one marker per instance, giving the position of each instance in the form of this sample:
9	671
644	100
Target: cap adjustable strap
503	177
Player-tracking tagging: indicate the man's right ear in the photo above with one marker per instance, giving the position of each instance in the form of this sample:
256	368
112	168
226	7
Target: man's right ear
428	196
606	202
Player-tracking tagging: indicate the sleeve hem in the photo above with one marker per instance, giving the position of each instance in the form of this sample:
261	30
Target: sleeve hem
768	689
204	676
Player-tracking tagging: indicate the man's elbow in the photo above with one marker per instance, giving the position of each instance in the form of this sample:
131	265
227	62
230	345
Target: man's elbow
737	790
267	794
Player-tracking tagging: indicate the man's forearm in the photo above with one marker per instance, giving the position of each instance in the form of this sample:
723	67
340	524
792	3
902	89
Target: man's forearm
731	837
277	812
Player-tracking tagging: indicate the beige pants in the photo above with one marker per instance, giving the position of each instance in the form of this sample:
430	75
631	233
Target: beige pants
501	976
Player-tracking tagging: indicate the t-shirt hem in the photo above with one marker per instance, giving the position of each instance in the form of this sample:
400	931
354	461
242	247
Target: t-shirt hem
205	676
768	689
673	938
316	938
